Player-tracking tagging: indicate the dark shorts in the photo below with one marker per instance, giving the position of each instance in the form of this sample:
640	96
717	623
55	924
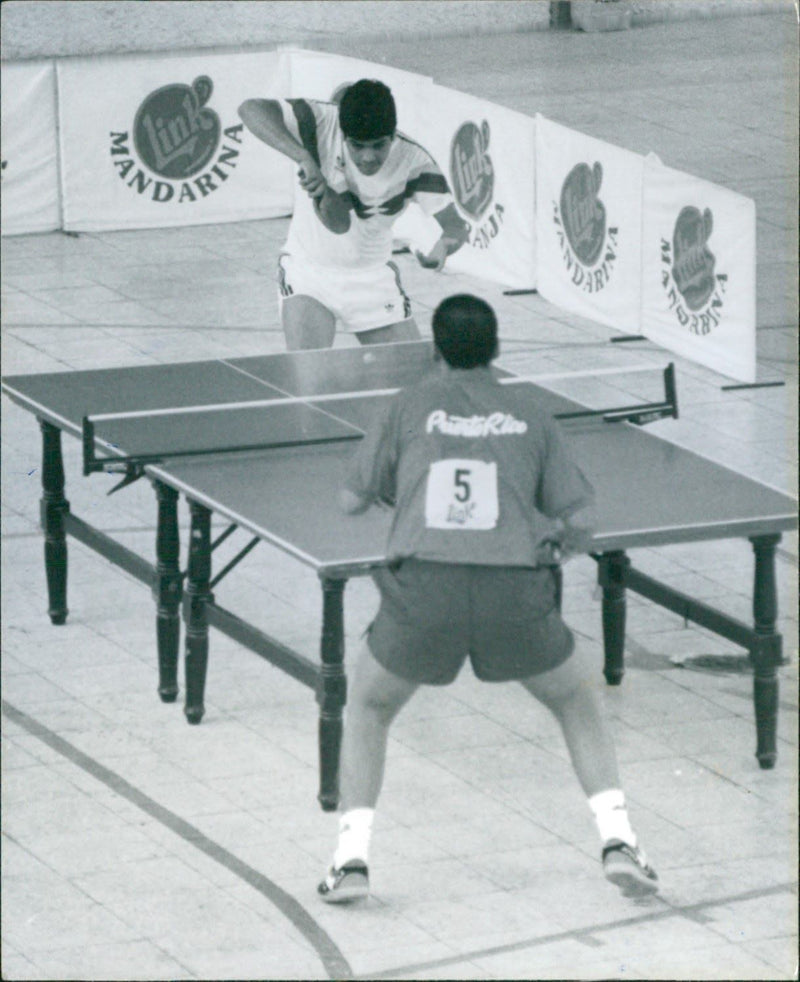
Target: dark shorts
433	615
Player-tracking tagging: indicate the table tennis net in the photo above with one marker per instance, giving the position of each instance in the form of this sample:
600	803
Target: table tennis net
154	435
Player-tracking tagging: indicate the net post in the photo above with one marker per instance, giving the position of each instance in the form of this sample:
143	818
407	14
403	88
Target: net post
670	388
89	459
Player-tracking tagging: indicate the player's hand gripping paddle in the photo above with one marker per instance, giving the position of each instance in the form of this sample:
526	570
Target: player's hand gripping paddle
331	208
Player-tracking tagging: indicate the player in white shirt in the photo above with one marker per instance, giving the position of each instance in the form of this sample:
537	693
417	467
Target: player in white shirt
359	174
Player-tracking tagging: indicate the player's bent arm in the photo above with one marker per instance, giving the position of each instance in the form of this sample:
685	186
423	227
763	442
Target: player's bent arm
264	119
455	233
578	528
333	210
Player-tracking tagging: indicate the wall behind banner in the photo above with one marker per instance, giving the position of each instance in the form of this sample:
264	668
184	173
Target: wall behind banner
37	28
48	28
139	139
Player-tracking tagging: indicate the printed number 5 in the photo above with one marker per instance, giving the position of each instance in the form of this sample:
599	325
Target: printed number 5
462	484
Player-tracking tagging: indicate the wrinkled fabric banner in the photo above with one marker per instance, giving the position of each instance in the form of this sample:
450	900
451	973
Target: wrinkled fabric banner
487	154
148	142
699	270
588	225
316	75
30	192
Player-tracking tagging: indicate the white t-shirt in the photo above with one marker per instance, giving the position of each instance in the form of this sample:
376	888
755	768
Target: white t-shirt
408	174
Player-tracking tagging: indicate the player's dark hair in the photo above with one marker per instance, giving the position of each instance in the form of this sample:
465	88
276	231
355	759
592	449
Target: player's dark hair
367	111
465	331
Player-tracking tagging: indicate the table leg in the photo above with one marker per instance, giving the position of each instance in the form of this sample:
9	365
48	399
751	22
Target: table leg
167	590
611	570
53	509
331	692
198	596
766	653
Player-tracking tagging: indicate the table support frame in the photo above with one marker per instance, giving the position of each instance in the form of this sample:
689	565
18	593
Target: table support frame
327	679
331	690
200	611
195	610
167	591
53	511
763	643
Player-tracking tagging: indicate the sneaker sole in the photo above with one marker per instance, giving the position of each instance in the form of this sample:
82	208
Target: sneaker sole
355	886
631	883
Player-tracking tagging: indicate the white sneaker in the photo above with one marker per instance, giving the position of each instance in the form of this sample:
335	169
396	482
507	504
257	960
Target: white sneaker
350	882
627	867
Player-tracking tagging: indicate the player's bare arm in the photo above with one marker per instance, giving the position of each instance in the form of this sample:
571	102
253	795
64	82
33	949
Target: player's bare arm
333	210
264	119
577	529
455	233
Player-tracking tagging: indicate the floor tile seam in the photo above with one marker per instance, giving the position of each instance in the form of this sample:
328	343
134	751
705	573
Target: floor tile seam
34	294
750	791
93	902
306	926
52	302
486	714
651	732
672	676
589	931
117	295
114	758
675	677
512	806
41	351
38	958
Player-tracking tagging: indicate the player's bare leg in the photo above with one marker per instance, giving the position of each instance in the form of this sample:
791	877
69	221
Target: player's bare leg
307	323
375	696
569	692
406	330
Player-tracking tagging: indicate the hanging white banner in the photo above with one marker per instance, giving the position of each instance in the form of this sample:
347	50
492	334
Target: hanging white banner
317	75
699	270
157	141
588	225
321	76
487	154
30	194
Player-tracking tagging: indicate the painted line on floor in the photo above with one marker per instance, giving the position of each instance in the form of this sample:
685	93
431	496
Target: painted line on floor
336	965
693	912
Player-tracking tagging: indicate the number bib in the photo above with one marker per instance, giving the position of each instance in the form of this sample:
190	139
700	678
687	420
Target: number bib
461	494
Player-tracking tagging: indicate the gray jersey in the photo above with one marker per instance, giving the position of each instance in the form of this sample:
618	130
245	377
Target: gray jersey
476	471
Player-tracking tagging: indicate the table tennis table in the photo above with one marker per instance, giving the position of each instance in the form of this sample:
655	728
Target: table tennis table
272	467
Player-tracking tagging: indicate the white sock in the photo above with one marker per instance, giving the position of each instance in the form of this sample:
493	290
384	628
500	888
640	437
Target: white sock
355	830
611	816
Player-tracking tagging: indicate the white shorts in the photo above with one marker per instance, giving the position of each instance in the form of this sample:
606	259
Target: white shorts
361	299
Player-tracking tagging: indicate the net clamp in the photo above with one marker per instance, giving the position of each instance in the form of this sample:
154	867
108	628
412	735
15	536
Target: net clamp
641	414
132	473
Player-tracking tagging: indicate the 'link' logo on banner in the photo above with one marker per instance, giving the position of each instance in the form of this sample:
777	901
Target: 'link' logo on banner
176	135
694	292
472	176
588	246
